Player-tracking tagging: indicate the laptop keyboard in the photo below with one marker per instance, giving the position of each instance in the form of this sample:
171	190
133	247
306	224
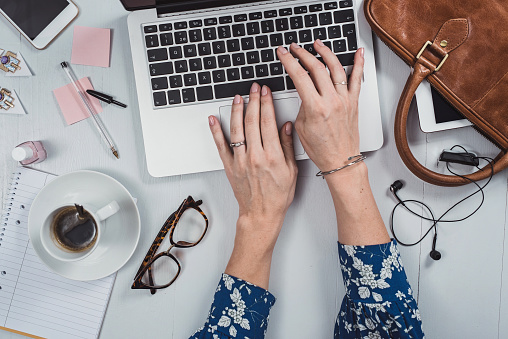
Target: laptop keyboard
212	58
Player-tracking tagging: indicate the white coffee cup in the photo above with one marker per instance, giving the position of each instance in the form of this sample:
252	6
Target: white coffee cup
56	250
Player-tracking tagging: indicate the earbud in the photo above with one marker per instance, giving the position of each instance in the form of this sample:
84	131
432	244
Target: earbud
397	185
434	254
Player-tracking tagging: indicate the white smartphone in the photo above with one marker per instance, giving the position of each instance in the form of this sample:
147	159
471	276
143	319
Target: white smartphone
39	21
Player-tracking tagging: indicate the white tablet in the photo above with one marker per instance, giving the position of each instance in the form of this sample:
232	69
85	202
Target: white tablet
435	113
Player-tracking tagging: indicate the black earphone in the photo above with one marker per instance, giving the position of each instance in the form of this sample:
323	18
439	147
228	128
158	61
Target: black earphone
398	184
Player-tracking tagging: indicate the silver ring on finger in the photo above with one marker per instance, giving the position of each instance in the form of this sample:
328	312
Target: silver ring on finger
237	144
340	83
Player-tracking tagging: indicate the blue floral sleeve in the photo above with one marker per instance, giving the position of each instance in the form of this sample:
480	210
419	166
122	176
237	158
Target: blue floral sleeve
239	310
379	301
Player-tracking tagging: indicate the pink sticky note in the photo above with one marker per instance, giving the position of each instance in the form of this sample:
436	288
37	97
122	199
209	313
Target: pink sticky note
71	105
91	46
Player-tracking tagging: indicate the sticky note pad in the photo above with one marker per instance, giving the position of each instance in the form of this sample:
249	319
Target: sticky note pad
71	105
91	46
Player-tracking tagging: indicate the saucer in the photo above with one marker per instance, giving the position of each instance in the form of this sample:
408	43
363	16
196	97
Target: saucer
120	234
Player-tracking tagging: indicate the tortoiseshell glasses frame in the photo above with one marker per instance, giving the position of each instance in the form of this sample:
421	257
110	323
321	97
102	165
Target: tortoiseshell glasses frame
150	258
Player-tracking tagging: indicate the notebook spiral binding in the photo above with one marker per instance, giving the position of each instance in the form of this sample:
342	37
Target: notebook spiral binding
8	204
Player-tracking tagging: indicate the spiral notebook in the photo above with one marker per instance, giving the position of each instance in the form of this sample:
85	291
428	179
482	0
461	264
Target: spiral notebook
34	301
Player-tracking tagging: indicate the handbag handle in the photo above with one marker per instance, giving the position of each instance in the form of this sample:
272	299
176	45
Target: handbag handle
420	72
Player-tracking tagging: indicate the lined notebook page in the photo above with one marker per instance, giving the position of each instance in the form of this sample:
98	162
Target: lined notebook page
33	299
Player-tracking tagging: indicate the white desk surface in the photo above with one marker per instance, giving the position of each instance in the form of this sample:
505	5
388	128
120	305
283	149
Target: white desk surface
464	295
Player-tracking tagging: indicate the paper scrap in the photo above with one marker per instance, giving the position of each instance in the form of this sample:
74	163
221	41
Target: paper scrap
24	71
91	46
70	103
18	106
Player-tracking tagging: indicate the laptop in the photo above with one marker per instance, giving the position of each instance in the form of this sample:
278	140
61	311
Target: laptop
191	57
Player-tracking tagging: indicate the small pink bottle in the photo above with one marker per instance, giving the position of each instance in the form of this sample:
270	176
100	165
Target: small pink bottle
30	152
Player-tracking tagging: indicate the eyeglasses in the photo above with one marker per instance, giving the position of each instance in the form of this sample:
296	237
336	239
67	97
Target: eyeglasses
160	270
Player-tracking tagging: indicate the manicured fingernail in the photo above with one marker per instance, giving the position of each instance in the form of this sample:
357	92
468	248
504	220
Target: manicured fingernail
319	42
254	88
288	128
294	45
362	51
211	120
282	50
264	90
237	99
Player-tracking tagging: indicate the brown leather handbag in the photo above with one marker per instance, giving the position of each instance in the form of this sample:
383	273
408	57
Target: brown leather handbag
461	48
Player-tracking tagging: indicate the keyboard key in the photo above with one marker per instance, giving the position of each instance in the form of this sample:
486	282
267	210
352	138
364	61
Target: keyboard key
262	41
165	27
325	18
210	62
343	16
195	35
190	79
159	83
334	32
276	40
188	95
238	59
247	43
233	45
174	97
311	20
253	28
296	22
300	9
159	99
204	48
219	75
158	54
219	47
339	46
331	5
181	37
267	26
256	16
253	57
181	25
285	11
229	90
204	93
276	68
344	4
166	39
290	84
181	66
175	81
319	33
224	61
238	30
150	29
310	49
195	23
152	40
305	35
190	51
328	44
233	74
349	32
240	17
315	8
175	52
267	55
195	65
226	19
224	32
290	37
247	72
210	33
270	14
162	68
281	24
204	78
261	71
210	21
346	59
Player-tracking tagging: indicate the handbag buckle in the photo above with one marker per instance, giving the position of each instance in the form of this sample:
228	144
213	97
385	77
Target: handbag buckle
423	49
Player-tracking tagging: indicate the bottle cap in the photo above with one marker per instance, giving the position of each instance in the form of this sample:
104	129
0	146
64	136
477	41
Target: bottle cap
21	153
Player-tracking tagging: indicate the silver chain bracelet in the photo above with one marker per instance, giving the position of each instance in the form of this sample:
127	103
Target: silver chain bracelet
356	159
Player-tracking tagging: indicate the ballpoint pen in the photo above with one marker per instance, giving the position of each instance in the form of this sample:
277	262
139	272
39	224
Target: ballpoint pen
91	111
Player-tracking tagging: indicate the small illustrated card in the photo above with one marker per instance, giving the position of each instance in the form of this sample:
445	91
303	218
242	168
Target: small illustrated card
13	64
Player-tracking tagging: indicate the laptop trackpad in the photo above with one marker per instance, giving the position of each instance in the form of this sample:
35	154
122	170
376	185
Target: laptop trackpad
285	110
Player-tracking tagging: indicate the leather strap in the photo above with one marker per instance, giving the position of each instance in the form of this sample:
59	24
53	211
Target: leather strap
420	72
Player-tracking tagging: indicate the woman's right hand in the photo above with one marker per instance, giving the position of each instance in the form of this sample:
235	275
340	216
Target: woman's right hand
327	123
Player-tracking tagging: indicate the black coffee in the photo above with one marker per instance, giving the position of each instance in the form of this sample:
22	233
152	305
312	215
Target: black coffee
74	230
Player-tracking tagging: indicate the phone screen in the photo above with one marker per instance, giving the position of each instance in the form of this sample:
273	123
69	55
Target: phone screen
32	16
443	111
